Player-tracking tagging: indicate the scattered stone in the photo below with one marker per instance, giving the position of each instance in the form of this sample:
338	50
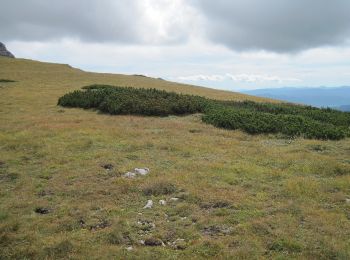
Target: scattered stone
141	171
215	205
146	225
174	199
130	175
221	204
162	202
81	222
347	201
4	51
153	242
137	171
107	166
42	211
130	248
149	204
179	244
142	242
101	225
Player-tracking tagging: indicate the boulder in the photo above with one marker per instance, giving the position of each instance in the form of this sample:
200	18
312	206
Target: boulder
149	204
4	51
141	171
137	171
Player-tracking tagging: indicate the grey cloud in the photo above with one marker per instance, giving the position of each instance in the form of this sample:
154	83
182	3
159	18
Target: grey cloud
88	20
276	25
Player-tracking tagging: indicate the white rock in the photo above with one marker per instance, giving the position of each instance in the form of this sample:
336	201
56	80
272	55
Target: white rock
149	204
142	242
130	175
162	202
174	199
347	201
141	171
130	248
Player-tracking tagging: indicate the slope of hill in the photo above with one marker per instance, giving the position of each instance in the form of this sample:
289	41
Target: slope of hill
319	97
63	194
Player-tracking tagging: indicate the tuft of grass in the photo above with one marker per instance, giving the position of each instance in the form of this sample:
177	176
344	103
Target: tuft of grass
207	249
61	250
285	245
121	234
159	188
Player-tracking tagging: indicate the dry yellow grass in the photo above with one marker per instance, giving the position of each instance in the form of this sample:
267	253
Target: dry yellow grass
242	196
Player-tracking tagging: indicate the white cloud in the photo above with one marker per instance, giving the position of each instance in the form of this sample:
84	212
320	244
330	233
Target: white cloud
201	78
249	78
197	62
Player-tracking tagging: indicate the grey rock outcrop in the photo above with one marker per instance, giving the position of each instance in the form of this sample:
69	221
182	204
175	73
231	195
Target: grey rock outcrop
4	51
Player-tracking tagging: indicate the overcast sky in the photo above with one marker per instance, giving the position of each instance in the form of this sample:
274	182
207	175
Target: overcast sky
228	44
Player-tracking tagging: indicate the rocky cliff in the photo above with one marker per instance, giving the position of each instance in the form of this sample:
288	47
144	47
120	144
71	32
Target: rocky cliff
4	51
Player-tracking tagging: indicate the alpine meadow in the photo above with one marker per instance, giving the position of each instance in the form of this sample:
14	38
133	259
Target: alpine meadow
216	192
174	129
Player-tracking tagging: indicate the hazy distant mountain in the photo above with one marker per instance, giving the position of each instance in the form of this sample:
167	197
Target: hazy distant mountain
338	97
344	108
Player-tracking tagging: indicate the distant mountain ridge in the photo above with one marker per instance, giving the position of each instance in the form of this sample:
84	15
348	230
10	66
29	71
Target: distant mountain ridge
337	97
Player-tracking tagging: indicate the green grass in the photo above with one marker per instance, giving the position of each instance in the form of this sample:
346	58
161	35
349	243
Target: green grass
240	195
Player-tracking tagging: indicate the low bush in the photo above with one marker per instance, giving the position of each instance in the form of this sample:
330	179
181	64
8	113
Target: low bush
259	122
326	115
251	117
7	80
124	101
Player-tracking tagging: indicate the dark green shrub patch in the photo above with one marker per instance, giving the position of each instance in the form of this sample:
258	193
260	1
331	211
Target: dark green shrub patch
251	117
6	80
326	115
254	122
123	101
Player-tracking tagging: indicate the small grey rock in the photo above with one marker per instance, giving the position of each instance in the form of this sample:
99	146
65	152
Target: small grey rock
141	171
130	175
149	204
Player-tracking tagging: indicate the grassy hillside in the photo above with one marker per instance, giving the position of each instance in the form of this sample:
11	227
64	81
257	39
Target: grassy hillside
239	195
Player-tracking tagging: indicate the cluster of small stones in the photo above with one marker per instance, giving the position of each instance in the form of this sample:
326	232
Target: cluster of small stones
4	51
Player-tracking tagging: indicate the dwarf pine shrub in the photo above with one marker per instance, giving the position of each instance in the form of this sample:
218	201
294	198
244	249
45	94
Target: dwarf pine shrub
251	117
6	80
